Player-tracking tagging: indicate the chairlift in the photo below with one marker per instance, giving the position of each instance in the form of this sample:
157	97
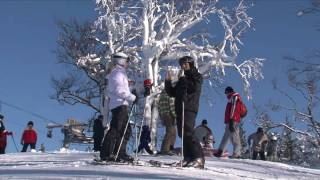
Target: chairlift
73	131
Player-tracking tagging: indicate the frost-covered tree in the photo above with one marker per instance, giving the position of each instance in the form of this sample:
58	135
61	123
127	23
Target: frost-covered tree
155	33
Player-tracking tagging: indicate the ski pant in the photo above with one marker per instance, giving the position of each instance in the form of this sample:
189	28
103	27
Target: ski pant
146	147
113	137
235	140
191	146
170	136
97	143
261	154
3	150
25	146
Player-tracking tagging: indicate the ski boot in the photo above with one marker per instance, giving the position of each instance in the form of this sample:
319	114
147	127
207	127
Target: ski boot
196	163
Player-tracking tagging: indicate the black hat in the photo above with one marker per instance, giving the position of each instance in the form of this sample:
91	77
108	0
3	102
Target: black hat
1	116
204	122
30	123
260	129
228	90
186	59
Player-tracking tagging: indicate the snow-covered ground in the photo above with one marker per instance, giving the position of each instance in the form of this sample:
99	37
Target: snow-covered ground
78	165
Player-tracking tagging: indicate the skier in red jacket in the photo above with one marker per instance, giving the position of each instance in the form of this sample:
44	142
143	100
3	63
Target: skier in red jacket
29	137
231	120
3	136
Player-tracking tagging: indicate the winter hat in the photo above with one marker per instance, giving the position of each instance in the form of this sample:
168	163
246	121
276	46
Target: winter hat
30	123
259	130
1	116
228	90
120	58
204	122
186	59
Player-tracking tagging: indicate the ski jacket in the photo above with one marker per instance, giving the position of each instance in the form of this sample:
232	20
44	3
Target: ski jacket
233	108
29	136
259	141
166	105
3	138
187	89
118	88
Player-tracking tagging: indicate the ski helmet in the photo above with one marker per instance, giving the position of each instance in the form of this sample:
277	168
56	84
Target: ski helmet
120	58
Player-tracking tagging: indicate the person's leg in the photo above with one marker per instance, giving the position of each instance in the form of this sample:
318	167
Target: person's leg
236	142
262	156
147	148
172	133
33	146
192	146
24	148
121	123
109	141
165	146
2	150
225	139
254	155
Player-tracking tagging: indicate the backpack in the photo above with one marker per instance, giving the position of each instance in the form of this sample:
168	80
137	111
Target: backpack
243	109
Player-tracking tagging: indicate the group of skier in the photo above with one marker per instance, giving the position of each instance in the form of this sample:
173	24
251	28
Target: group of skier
178	107
28	138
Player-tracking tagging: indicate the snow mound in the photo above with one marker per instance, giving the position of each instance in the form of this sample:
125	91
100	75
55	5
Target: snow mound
72	164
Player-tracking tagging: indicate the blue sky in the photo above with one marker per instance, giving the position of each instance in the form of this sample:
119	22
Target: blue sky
28	36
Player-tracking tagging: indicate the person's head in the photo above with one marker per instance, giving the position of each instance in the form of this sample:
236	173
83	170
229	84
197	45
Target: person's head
30	124
260	130
186	62
100	117
228	90
145	128
1	117
121	59
204	122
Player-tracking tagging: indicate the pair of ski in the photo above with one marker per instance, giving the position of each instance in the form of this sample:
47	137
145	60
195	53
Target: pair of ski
149	163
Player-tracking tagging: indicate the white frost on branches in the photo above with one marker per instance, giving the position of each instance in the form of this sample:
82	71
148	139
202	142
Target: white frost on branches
152	31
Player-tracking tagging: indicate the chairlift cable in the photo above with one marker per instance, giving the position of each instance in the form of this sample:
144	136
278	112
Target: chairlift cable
27	111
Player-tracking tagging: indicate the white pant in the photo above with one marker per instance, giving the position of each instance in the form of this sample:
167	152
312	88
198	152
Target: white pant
235	140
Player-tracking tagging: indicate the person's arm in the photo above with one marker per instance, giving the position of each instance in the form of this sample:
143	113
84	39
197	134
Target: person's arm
233	106
120	90
170	90
195	83
22	137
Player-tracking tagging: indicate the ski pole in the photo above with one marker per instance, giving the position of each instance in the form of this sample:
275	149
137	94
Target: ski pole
125	130
14	142
138	140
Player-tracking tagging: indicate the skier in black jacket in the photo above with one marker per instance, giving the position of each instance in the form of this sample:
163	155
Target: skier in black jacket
187	90
98	133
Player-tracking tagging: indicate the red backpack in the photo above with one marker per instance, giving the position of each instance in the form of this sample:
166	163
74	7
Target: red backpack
243	109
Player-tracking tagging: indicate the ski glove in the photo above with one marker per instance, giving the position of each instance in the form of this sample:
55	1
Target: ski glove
134	92
231	126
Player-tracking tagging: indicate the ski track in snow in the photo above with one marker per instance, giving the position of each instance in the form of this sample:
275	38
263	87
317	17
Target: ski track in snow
78	165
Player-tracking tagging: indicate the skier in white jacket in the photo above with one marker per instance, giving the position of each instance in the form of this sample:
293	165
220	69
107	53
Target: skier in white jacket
120	97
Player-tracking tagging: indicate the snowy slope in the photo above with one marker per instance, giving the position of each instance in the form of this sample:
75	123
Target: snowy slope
78	165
